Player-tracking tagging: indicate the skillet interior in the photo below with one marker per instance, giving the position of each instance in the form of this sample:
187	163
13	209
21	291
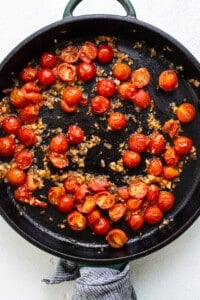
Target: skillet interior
84	246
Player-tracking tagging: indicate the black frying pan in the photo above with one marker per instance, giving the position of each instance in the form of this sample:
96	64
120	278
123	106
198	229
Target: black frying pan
27	221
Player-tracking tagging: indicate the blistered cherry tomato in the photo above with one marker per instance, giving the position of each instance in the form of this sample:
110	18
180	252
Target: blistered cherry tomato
48	60
116	238
75	134
134	204
117	211
46	76
152	193
105	199
16	176
88	205
29	113
127	90
117	121
142	99
171	158
72	95
186	112
106	87
54	194
155	167
69	54
131	159
170	172
153	214
26	136
140	77
165	200
59	143
70	184
156	143
66	203
24	159
88	52
18	98
182	145
168	80
59	161
30	87
80	192
21	194
93	217
7	146
98	184
138	142
135	221
121	71
123	193
76	220
11	124
66	107
138	189
32	182
101	226
28	74
66	72
86	71
100	104
105	54
171	127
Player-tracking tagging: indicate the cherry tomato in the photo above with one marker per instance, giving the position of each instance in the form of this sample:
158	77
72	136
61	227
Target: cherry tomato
171	158
66	107
186	112
106	87
121	71
66	203
69	54
59	144
75	134
100	105
80	192
123	193
88	205
131	159
48	60
32	182
70	184
18	98
101	226
140	77
117	121
11	124
34	98
105	199
93	217
66	72
155	167
156	143
127	91
29	114
54	194
58	160
26	136
98	184
7	146
28	74
86	71
135	221
117	211
105	54
153	214
170	172
76	220
21	194
46	76
24	159
138	189
134	204
72	95
165	200
88	52
116	238
16	176
138	142
182	145
142	99
152	193
168	80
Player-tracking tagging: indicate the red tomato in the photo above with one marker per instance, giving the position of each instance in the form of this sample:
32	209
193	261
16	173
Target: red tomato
105	54
7	146
86	71
140	77
152	193
98	184
88	205
58	160
186	112
131	159
32	182
28	74
121	71
21	194
29	114
88	52
135	221
105	199
69	54
72	95
59	144
170	157
24	159
168	80
138	142
106	87
116	238
138	189
153	214
46	76
66	72
93	217
100	105
170	172
26	136
101	226
123	192
156	143
80	192
134	204
142	99
66	107
165	200
30	87
75	134
117	211
66	203
70	184
117	121
18	98
54	194
182	145
48	60
171	127
76	220
34	98
127	91
10	124
16	176
155	167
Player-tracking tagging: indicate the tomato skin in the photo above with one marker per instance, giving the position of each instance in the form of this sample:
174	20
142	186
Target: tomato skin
117	211
182	145
170	172
66	72
58	160
138	142
126	90
66	107
16	176
168	80
75	134
26	136
72	95
76	220
100	105
116	238
135	221
121	71
98	184
106	87
69	54
171	158
48	60
23	159
105	54
140	77
86	71
29	114
152	193
46	76
11	124
17	98
156	143
142	99
54	194
123	192
155	167
171	127
131	159
59	144
88	52
165	200
7	146
101	226
153	214
66	203
186	112
70	184
28	74
117	121
93	217
138	189
105	200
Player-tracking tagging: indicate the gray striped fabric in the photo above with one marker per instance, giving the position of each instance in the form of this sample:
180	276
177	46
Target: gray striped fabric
92	283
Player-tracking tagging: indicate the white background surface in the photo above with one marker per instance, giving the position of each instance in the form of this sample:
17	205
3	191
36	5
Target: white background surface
171	273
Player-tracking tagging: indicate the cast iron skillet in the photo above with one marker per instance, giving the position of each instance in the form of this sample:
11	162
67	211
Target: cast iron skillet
37	229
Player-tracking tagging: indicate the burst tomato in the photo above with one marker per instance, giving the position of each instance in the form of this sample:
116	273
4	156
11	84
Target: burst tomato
171	127
88	205
106	87
153	214
24	159
155	167
88	52
105	54
131	159
121	71
72	95
98	184
66	72
152	193
105	199
66	107
11	124
46	76
140	77
117	121
135	221
156	143
171	158
75	134
138	189
100	105
65	203
59	143
182	145
170	172
76	220
48	60
16	176
18	98
138	142
58	160
7	146
116	238
93	217
123	192
69	54
165	200
186	112
28	74
26	136
101	226
127	90
70	184
141	99
134	204
80	192
54	194
168	80
29	114
86	71
117	212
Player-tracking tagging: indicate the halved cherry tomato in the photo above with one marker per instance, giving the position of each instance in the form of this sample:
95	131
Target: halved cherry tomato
182	145
106	87
34	98
58	160
32	182
156	143
186	112
18	98
171	172
26	136
105	54
131	159
11	124
152	193
142	99
117	121
86	71
29	113
28	74
66	203
76	220
117	211
72	95
127	90
138	189
100	104
75	134
7	146
70	184
155	166
171	158
69	54
80	192
105	199
140	77
138	142
48	60
59	143
98	184
168	80
153	214
134	204
16	176
135	221
171	127
88	205
54	194
123	192
93	217
21	194
116	238
66	72
88	52
121	71
101	226
165	200
46	76
24	159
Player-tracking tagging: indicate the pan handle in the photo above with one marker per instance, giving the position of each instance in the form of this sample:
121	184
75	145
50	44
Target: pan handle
71	5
